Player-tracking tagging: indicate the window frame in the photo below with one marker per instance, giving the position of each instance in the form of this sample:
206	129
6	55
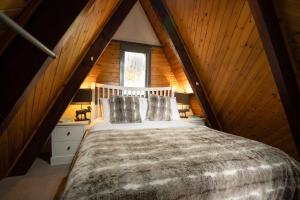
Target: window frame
135	48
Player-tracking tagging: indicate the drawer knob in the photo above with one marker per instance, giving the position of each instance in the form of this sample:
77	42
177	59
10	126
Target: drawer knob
68	148
68	133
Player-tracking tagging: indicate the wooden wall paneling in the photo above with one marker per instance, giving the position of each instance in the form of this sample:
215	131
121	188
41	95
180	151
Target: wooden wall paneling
171	55
29	113
162	35
241	52
217	31
230	60
41	96
20	56
15	142
59	74
162	12
161	72
107	68
217	50
196	107
4	154
280	62
94	45
247	72
232	50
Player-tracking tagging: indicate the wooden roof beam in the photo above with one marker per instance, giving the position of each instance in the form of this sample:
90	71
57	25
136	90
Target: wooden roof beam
22	63
280	61
93	53
166	20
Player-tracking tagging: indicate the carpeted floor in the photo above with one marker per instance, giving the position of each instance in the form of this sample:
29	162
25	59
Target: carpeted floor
40	183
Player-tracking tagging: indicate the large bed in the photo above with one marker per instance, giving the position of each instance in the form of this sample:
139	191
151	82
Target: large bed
177	160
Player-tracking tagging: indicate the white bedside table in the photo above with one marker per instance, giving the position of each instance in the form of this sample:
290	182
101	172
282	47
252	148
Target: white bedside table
195	121
65	140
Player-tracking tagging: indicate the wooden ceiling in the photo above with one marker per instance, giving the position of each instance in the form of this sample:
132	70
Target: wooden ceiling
70	49
222	41
168	47
225	46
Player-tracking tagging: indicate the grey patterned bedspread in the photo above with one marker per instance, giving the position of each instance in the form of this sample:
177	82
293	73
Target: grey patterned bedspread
181	163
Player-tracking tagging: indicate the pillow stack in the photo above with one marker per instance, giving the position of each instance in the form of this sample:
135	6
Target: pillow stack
133	109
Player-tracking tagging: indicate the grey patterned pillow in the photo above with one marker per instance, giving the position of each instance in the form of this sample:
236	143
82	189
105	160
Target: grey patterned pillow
159	108
124	109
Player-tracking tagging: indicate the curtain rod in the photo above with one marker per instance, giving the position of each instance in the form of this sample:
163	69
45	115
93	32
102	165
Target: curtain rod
17	28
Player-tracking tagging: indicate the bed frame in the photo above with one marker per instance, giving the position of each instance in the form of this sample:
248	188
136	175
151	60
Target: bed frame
105	91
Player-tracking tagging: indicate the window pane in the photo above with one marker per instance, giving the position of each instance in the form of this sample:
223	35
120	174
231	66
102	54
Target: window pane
134	69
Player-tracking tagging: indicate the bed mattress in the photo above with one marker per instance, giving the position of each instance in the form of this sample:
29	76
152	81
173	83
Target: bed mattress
179	163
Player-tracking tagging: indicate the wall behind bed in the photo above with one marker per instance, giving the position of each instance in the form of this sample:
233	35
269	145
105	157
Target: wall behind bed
107	71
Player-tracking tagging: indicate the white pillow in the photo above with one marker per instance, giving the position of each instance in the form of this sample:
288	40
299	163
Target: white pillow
143	108
105	111
175	114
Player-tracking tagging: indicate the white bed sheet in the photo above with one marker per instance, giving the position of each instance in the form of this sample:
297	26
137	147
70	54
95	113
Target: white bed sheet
99	124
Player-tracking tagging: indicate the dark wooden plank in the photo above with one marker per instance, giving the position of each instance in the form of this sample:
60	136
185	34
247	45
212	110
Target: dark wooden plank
26	13
94	52
168	23
280	61
21	61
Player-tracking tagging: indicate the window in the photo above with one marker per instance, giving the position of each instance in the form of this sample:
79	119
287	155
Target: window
135	65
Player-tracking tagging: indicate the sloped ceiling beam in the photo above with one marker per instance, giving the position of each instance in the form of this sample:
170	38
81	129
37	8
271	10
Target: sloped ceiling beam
94	52
165	18
21	61
280	61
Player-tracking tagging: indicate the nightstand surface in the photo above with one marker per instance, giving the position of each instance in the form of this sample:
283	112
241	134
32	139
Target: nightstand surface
195	121
65	139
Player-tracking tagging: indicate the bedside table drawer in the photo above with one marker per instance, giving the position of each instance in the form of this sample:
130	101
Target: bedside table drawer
67	133
65	148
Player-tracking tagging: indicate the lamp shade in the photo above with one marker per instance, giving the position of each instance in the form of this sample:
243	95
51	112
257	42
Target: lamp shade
183	98
83	96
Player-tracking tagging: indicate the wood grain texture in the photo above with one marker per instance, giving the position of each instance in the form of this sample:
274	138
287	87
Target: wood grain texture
70	49
196	107
280	61
161	71
107	68
167	46
225	46
189	67
72	84
22	57
172	56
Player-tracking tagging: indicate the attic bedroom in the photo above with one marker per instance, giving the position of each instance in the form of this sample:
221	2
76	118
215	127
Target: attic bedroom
149	99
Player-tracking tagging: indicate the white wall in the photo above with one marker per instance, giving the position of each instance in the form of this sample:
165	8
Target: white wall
137	28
